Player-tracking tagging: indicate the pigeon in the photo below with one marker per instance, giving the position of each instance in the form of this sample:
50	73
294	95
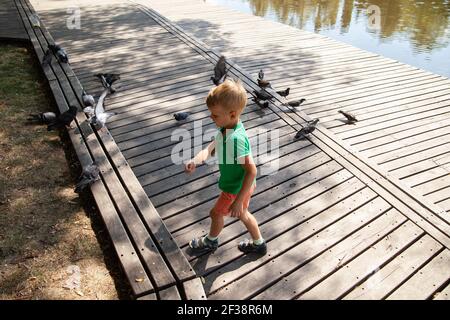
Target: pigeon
47	59
309	128
35	21
284	93
220	71
264	83
108	79
89	111
64	119
181	116
88	176
350	117
261	74
294	103
59	52
261	104
100	116
42	118
88	100
262	95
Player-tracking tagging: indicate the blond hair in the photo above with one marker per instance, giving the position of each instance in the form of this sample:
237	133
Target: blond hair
230	95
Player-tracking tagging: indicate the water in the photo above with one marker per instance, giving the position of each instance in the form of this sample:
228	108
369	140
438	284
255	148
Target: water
411	31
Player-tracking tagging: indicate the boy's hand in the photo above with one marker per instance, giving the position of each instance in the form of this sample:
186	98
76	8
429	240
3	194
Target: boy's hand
190	167
236	209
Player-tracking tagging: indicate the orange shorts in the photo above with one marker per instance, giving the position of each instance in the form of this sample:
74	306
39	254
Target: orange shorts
226	199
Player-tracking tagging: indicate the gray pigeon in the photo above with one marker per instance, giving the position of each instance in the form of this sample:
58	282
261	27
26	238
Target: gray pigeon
306	130
59	52
108	80
294	103
262	95
88	100
42	118
220	71
64	119
35	21
181	116
264	84
100	116
350	117
90	174
284	93
261	74
262	104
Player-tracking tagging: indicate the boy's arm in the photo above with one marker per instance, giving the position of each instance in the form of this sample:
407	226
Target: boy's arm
206	153
201	157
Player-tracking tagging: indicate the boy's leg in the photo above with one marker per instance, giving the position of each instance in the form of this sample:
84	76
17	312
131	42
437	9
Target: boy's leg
217	222
258	245
251	224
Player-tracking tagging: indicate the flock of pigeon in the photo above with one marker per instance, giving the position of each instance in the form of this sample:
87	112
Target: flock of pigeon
95	111
97	116
264	95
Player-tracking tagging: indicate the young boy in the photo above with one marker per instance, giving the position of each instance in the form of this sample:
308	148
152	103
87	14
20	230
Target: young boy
237	169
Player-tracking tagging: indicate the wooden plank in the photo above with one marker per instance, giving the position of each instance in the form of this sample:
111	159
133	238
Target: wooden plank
380	96
383	281
151	296
363	142
146	247
206	188
352	273
163	239
132	267
408	137
166	161
11	26
161	138
438	181
263	201
196	213
280	265
170	293
166	150
443	295
431	220
193	289
415	158
145	173
186	184
309	217
426	281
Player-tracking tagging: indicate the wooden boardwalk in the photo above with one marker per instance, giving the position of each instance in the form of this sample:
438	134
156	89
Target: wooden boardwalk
338	226
11	26
404	112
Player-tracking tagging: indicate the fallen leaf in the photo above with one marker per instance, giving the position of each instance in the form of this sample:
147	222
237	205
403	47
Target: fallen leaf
78	292
32	279
139	279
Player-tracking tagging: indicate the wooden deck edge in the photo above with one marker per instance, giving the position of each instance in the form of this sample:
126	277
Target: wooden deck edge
426	215
83	138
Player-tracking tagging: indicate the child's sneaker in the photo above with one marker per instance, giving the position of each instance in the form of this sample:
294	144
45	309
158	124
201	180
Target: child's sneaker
247	246
203	244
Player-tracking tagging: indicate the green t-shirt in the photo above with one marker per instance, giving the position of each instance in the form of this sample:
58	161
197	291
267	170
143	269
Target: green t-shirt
228	150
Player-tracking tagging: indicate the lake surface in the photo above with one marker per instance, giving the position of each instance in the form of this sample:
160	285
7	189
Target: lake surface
411	31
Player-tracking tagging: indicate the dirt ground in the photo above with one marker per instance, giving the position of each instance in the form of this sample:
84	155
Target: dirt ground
53	244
